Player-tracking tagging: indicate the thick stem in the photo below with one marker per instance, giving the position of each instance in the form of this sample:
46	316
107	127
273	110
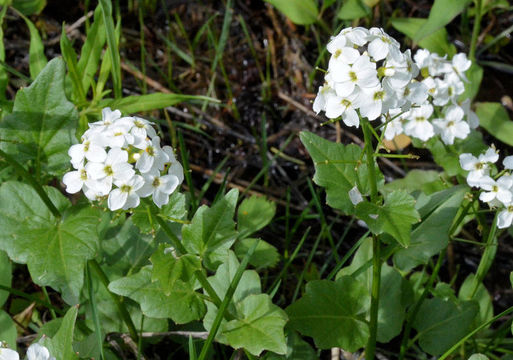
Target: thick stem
376	256
475	30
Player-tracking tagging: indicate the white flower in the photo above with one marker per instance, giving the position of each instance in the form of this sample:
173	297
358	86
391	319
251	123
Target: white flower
125	196
342	51
87	150
8	354
472	119
175	168
342	106
505	217
355	196
370	102
508	162
160	187
115	167
324	93
362	74
38	352
382	45
395	126
452	125
460	64
141	129
152	157
499	190
479	168
108	118
75	180
418	124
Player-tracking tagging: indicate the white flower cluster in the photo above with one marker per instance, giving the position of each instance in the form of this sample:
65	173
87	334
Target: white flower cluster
498	192
34	352
368	73
121	157
441	113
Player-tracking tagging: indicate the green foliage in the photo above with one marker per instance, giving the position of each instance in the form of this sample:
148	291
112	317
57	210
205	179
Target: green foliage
436	42
481	296
55	250
438	211
427	181
441	323
174	210
495	119
301	12
37	58
253	214
297	349
182	305
265	254
353	9
62	343
394	217
333	313
338	168
42	125
29	7
5	276
442	12
212	230
8	331
474	75
478	357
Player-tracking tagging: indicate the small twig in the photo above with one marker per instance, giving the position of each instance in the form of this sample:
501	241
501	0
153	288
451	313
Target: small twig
133	346
139	75
70	28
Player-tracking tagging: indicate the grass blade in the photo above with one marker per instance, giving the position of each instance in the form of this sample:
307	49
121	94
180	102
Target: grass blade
69	55
106	6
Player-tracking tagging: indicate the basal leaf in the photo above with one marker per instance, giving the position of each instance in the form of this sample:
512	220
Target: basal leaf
441	323
333	313
436	42
61	345
428	181
42	125
265	254
481	296
495	119
442	12
297	349
301	12
212	230
55	250
258	327
431	236
254	213
182	305
338	168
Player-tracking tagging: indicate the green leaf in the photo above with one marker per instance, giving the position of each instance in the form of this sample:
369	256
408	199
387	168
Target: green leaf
8	331
29	7
301	12
338	168
55	250
174	210
4	79
442	12
395	217
5	276
254	213
92	50
441	323
265	254
37	58
495	119
113	49
212	230
474	75
333	313
182	305
297	349
436	42
168	268
137	103
70	56
353	9
428	181
481	296
258	327
42	125
61	345
438	212
478	357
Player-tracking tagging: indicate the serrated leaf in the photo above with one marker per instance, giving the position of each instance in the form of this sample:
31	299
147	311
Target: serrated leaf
5	276
182	305
395	217
258	327
212	230
55	250
437	42
8	331
441	323
168	268
495	119
333	313
254	213
42	125
265	254
61	345
431	236
301	12
442	12
338	168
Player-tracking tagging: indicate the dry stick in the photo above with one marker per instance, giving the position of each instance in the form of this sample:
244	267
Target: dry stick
70	28
139	75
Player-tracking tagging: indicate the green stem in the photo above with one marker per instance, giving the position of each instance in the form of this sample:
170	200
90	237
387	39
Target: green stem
94	310
123	312
33	298
475	30
376	256
30	179
413	314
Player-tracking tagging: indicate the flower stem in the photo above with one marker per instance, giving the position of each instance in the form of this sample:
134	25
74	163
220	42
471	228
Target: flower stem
123	312
376	249
30	179
475	30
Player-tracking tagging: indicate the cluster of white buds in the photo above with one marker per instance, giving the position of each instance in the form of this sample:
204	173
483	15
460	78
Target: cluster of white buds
121	157
441	113
367	72
34	352
497	191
